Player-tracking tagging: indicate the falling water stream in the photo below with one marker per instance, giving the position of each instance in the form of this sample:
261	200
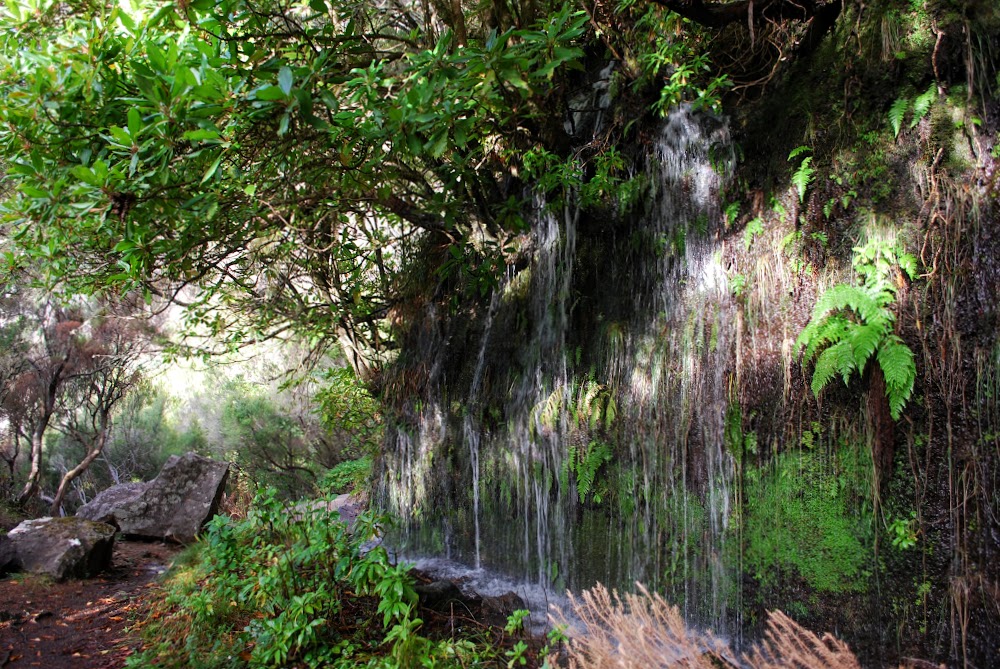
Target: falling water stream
624	378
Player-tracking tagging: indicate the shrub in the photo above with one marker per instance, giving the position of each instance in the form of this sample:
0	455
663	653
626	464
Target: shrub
286	586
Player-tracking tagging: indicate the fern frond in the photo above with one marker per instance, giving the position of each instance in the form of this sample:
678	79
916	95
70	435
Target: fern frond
844	296
900	371
798	151
803	177
846	362
908	263
829	331
610	413
923	103
864	339
588	465
837	360
897	112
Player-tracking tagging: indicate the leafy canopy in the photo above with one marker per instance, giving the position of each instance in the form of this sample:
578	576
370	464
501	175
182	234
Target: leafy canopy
282	160
304	167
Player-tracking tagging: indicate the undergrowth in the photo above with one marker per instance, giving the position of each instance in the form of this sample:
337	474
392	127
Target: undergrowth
288	587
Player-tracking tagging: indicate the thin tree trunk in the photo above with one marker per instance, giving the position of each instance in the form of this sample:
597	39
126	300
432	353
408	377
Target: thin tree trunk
37	437
458	22
95	451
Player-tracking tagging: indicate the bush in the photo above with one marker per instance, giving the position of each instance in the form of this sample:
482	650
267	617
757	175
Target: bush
288	587
349	476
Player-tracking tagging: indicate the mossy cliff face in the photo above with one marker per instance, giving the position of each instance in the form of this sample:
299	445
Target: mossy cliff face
632	402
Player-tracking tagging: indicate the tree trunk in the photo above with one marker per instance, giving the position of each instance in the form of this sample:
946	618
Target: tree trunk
95	451
458	22
883	446
11	457
37	437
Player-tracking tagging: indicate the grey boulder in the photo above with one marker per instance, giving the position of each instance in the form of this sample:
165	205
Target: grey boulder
8	556
173	506
62	547
343	505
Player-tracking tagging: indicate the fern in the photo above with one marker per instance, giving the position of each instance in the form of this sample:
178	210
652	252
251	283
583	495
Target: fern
829	365
754	228
803	177
844	296
585	464
900	371
805	174
897	112
798	151
827	331
923	104
908	263
864	339
851	324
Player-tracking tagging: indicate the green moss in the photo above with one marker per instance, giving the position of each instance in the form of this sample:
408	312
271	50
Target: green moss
802	516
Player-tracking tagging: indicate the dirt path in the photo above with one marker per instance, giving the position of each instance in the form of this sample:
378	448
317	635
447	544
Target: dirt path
78	624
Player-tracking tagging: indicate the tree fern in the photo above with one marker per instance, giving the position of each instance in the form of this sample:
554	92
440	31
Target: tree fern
819	333
845	296
851	324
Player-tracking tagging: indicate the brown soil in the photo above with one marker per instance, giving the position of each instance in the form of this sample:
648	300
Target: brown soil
79	624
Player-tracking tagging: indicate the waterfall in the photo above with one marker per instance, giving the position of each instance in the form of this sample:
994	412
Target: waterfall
587	441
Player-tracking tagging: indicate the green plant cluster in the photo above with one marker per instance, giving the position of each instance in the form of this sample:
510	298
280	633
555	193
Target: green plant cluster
345	406
350	476
802	517
290	586
851	323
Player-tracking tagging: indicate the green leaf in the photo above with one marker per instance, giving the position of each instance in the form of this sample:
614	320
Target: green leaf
201	134
134	122
437	144
864	339
120	135
897	363
285	80
514	78
210	172
908	263
14	7
269	93
86	175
